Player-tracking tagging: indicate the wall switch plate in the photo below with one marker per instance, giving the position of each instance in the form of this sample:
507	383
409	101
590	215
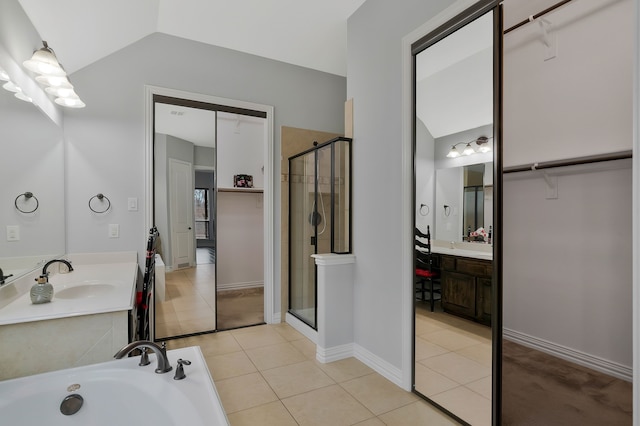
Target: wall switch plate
132	204
114	230
13	233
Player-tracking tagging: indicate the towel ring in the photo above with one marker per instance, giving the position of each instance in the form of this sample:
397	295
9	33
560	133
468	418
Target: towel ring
27	195
424	207
100	197
447	210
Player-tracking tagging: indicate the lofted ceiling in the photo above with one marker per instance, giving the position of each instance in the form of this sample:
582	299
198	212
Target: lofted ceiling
311	34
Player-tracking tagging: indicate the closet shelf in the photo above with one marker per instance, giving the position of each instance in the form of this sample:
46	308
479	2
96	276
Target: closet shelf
250	190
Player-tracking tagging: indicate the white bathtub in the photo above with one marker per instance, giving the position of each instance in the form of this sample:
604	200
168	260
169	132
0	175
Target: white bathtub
117	392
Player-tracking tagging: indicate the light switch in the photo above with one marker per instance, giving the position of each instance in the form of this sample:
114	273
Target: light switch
132	204
13	233
114	230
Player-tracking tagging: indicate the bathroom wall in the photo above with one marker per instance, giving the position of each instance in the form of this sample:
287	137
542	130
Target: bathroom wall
106	139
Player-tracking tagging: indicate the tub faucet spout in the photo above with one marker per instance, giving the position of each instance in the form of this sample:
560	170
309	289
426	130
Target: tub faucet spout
163	363
46	265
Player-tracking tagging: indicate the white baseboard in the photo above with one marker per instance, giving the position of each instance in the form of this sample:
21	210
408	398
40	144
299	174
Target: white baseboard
335	353
382	367
303	328
240	286
581	358
276	318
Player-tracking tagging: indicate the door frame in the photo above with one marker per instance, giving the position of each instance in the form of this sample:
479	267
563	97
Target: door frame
271	246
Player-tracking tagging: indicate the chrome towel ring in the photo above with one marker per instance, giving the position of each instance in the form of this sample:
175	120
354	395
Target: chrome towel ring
27	196
101	198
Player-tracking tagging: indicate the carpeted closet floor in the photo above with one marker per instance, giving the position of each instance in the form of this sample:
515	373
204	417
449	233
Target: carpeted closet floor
539	389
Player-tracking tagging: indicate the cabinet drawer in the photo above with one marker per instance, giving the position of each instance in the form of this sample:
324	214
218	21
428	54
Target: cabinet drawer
474	267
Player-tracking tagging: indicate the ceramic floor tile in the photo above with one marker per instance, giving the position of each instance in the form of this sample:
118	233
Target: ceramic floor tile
417	413
254	339
271	414
450	339
427	326
168	329
198	326
296	378
196	313
218	344
330	405
482	387
345	369
378	394
425	349
307	347
457	368
467	405
229	365
429	382
481	353
266	357
288	332
374	421
244	392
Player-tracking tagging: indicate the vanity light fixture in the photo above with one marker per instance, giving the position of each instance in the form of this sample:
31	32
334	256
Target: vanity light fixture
482	144
468	150
4	76
16	90
52	75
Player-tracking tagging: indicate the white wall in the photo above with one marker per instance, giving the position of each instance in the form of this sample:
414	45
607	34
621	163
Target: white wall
239	149
106	139
425	178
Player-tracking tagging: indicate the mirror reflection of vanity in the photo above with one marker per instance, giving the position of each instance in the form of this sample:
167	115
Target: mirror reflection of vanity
456	128
32	162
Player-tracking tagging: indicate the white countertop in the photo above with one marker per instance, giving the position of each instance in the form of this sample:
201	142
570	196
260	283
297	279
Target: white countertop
463	253
118	280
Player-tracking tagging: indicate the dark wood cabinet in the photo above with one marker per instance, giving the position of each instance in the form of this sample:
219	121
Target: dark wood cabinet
466	287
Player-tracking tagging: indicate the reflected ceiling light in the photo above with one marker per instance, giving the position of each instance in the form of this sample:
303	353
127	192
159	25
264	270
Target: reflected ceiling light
53	76
44	61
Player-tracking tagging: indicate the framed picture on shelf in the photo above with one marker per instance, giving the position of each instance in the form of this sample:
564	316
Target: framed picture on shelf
243	181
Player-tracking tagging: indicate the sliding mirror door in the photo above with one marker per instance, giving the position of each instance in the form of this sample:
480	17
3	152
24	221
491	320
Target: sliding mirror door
457	219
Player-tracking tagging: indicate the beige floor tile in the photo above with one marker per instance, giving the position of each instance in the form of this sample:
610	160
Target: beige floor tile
378	394
467	405
189	303
266	357
330	405
307	347
198	325
250	339
229	365
345	369
427	326
271	414
374	421
456	367
481	353
450	339
296	378
429	382
197	312
417	413
482	387
168	329
244	392
219	344
288	332
425	349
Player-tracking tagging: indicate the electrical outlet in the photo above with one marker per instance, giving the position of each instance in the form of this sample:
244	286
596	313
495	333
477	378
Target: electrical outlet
13	233
114	230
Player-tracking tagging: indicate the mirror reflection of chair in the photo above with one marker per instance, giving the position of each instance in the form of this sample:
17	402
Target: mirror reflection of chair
427	283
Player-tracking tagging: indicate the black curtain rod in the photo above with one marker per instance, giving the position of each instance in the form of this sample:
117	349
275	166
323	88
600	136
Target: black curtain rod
536	16
571	162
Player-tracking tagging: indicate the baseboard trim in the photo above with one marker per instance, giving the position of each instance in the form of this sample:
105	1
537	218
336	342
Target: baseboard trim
382	367
240	286
276	318
303	328
335	353
581	358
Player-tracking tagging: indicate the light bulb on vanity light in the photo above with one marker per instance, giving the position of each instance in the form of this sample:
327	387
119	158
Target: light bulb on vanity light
453	153
468	150
44	61
70	102
483	144
4	76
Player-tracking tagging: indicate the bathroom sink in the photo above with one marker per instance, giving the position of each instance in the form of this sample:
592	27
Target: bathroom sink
82	291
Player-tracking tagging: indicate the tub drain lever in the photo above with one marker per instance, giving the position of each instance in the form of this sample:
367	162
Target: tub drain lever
180	369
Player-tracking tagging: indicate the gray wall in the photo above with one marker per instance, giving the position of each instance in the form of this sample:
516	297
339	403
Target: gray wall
106	139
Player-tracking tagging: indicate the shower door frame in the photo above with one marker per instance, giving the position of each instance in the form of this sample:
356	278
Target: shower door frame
315	150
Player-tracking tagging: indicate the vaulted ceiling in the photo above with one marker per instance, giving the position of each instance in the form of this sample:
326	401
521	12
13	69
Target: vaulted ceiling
311	34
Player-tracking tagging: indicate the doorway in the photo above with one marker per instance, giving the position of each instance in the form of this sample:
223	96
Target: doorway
191	302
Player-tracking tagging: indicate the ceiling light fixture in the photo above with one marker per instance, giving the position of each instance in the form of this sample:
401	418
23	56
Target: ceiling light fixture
52	75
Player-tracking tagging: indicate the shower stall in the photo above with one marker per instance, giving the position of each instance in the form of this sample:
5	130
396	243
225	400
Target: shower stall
319	218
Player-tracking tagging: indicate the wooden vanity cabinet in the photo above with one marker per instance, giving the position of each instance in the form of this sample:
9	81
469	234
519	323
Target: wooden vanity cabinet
466	287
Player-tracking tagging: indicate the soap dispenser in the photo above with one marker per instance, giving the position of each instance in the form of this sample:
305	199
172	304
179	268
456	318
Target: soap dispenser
42	291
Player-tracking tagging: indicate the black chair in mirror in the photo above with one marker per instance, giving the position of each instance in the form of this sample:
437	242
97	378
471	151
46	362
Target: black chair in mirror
427	282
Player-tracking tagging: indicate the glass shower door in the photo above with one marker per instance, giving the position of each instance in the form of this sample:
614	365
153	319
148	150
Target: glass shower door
302	238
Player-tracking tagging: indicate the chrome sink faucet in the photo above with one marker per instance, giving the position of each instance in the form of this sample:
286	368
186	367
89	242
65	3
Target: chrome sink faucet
46	265
161	355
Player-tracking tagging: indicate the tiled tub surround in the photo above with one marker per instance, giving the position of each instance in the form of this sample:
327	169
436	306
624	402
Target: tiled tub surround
69	331
117	392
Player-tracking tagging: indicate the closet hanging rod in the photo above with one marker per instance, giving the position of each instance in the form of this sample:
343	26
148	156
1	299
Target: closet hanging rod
570	162
536	16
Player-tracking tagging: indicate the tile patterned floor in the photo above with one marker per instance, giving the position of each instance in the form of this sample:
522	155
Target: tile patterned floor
268	375
453	364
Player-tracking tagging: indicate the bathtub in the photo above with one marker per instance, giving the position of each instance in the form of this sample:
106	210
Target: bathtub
116	392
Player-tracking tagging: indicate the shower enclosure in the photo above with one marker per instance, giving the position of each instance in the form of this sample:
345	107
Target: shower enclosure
319	218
